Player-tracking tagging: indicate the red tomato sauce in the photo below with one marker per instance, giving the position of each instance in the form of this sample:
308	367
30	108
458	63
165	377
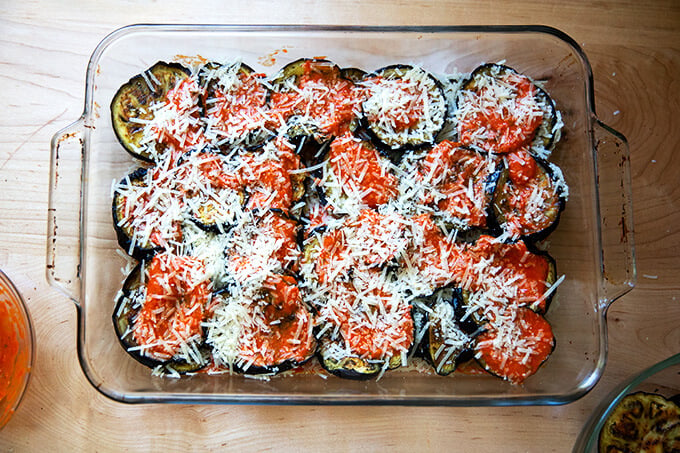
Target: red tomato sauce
172	312
521	166
509	362
268	183
358	165
332	101
285	331
212	167
180	134
452	170
381	340
14	355
515	260
436	257
284	230
503	131
240	110
333	261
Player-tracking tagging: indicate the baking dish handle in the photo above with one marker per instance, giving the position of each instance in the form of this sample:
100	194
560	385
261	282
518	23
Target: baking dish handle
63	223
616	212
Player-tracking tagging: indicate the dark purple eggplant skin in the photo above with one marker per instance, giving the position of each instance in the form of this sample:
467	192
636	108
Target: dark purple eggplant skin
351	367
123	318
427	348
353	74
495	216
395	154
124	239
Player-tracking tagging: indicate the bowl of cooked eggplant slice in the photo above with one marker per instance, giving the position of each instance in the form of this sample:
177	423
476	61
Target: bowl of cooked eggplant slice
641	414
340	215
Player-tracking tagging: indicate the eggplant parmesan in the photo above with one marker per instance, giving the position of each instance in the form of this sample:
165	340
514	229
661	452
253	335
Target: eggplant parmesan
314	96
234	100
446	339
159	314
157	111
404	107
265	329
528	198
500	110
459	184
325	212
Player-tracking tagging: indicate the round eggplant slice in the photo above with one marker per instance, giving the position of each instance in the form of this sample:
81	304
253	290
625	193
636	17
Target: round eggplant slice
137	307
515	344
356	174
642	422
500	110
335	360
446	343
212	190
314	93
404	107
267	331
132	106
146	212
271	178
356	75
459	184
234	105
506	276
528	199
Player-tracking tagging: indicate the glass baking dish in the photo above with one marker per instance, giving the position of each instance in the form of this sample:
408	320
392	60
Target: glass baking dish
593	244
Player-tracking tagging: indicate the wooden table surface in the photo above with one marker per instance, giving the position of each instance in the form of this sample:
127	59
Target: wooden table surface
634	49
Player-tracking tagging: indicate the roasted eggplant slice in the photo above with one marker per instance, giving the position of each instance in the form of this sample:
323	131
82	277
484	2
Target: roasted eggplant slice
356	75
271	178
505	276
515	344
404	107
459	184
235	105
322	102
529	198
446	342
265	331
642	422
335	360
357	175
211	188
500	110
158	315
132	107
146	213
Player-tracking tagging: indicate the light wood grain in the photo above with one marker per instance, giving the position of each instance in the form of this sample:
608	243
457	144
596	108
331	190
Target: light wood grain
634	48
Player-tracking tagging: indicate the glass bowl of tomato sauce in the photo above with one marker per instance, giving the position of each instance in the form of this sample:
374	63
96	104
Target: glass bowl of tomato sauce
16	348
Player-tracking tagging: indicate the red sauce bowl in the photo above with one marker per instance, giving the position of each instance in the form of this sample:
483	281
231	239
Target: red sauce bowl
16	348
